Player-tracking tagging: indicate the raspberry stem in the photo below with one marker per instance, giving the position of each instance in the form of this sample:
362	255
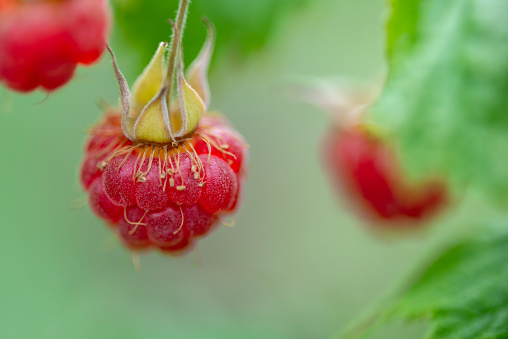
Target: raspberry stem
181	17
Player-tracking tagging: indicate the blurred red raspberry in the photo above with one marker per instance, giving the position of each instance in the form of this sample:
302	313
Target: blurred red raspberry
366	171
42	42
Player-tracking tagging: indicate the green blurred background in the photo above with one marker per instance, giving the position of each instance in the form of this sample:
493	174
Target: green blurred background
297	265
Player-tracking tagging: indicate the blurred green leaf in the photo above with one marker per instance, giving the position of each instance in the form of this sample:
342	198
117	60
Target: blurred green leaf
402	26
446	97
464	293
243	26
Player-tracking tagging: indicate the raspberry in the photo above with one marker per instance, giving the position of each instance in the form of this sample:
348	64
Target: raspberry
163	173
365	168
42	42
146	182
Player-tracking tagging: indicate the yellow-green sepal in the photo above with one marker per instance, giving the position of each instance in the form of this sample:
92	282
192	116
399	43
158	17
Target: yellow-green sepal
197	73
149	83
153	124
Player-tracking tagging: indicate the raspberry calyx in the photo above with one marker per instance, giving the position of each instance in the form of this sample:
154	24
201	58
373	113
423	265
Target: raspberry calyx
157	111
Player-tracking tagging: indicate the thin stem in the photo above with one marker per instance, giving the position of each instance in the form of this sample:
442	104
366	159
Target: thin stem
175	41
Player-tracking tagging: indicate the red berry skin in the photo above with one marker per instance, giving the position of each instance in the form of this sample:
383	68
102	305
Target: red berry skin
192	191
149	194
365	169
42	42
89	170
432	198
133	234
118	179
221	185
165	228
101	205
162	200
89	43
198	221
179	249
96	144
234	151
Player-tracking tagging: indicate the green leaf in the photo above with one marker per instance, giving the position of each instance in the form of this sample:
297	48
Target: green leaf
402	26
243	26
464	293
446	98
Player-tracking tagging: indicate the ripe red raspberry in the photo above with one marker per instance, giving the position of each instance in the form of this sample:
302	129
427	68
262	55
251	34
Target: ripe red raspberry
364	166
42	42
163	171
139	190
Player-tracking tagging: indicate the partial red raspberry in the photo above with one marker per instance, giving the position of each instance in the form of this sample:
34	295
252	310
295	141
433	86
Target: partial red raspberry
42	42
156	196
364	166
366	170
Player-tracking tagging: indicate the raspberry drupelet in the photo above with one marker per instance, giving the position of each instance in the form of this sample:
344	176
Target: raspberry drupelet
164	171
42	42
